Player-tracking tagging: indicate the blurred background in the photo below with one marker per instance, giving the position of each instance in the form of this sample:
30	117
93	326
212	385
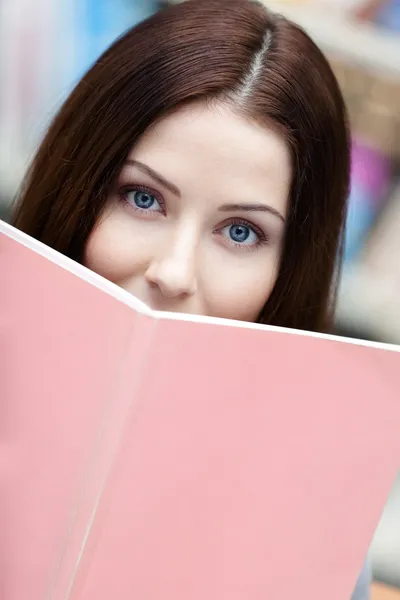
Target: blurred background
47	45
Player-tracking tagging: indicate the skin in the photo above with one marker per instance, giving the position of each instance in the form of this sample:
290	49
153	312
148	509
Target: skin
183	246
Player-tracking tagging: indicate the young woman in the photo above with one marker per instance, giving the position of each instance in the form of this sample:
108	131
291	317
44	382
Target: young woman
203	165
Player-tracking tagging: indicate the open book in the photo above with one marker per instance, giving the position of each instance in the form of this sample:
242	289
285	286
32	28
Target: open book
157	456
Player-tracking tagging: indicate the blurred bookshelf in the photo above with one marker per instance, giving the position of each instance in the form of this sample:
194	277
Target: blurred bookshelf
337	33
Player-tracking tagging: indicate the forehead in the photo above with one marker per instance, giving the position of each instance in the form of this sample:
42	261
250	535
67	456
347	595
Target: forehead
215	144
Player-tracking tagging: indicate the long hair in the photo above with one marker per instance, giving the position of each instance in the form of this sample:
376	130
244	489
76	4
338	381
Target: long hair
235	51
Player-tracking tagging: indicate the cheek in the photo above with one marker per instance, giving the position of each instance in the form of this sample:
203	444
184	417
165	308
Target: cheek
112	251
240	293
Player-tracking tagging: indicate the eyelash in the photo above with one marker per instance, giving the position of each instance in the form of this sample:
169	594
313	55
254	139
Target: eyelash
262	237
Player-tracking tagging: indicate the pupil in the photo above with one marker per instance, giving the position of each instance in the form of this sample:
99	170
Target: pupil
239	233
143	200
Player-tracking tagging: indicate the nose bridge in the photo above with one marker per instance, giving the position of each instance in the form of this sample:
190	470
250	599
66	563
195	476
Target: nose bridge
174	268
181	249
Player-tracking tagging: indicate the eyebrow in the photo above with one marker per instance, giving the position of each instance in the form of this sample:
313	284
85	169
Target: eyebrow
253	208
154	175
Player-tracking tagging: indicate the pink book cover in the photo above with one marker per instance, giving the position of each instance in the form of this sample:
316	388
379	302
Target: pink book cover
153	456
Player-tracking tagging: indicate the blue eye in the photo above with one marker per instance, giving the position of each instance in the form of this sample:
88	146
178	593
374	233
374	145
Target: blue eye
143	200
241	234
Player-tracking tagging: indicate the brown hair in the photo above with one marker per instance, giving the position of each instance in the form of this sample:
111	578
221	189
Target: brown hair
233	50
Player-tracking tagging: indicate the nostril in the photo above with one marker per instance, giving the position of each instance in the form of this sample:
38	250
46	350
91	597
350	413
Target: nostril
171	280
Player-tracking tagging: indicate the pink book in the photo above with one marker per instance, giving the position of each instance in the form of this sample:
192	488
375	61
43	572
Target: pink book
153	456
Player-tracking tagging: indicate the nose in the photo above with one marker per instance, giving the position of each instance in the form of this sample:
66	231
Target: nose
174	273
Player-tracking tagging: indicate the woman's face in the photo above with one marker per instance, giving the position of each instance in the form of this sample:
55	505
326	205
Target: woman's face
195	223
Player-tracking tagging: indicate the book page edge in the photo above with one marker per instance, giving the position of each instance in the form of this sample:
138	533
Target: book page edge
76	269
